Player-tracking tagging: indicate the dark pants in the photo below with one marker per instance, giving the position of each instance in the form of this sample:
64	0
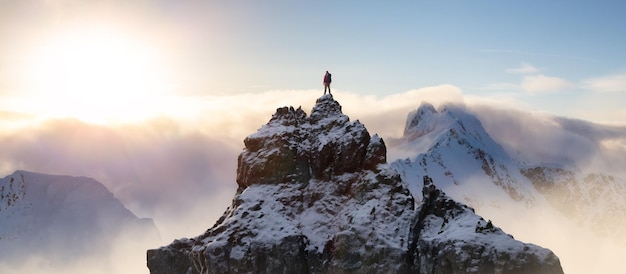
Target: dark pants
326	86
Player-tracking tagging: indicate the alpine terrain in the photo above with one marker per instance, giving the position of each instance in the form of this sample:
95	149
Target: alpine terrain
452	147
61	218
315	195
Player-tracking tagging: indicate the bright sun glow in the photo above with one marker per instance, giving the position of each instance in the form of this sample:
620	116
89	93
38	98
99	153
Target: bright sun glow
96	75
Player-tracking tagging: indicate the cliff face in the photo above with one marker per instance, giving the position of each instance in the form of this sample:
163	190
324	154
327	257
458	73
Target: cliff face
316	196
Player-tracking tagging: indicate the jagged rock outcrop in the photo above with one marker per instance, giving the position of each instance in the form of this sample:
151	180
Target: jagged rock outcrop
451	238
315	196
295	148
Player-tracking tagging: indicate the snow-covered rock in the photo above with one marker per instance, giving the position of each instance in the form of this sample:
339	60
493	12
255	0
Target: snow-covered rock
61	217
316	196
451	146
295	148
451	238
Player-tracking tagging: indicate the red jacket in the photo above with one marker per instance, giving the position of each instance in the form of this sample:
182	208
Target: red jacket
327	78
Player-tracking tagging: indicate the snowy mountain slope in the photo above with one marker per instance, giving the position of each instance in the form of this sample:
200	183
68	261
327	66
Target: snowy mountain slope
452	147
447	227
60	217
316	196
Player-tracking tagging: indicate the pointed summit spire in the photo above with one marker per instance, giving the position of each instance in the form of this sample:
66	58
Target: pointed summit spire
325	107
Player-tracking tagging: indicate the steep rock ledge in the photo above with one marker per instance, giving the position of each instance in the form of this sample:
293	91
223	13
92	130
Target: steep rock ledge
451	238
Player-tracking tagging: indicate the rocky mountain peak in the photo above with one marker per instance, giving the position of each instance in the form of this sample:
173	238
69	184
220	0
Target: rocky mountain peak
449	118
416	121
294	147
288	116
315	196
466	162
326	107
452	135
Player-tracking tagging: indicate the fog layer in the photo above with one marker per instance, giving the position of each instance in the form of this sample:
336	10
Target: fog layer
180	170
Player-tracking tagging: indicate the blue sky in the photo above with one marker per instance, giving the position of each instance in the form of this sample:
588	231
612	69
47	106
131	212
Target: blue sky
154	97
382	47
563	57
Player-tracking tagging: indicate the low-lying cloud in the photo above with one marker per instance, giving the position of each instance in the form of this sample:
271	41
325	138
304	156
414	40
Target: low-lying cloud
154	169
166	167
163	160
122	253
180	169
545	138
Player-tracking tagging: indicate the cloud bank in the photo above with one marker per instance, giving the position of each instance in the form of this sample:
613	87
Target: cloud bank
539	137
180	169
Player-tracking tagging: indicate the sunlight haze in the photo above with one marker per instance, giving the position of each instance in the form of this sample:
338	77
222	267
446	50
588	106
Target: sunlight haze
155	98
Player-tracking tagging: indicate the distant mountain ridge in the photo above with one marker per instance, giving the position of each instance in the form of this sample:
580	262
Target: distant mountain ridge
61	217
317	196
452	147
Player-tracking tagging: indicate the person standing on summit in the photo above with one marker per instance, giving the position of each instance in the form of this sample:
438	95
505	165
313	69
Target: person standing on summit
327	81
